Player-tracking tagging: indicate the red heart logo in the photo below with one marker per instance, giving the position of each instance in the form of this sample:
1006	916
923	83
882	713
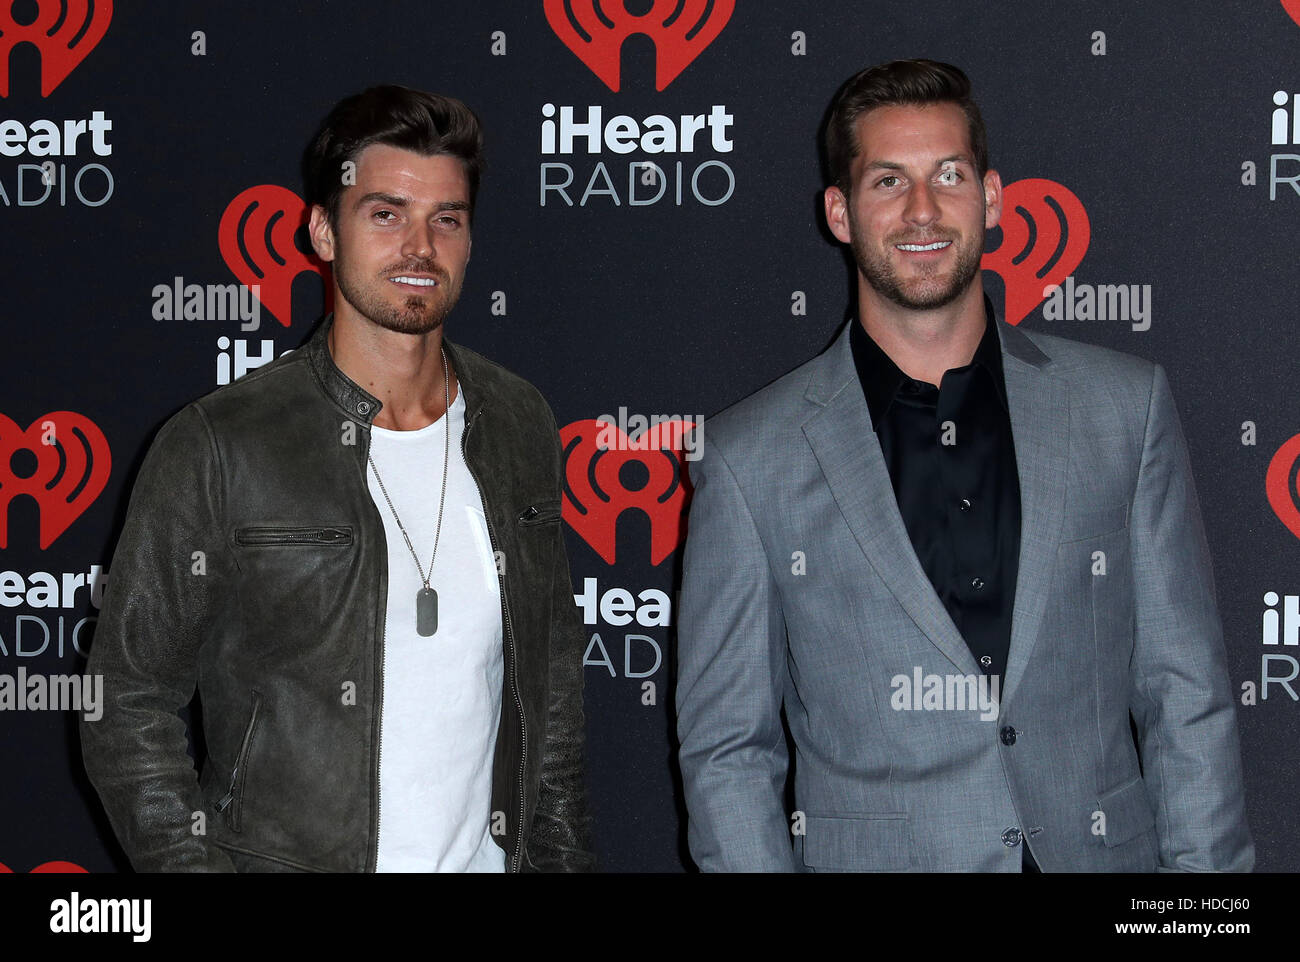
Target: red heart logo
680	29
256	241
597	492
1292	7
64	31
1280	484
73	462
49	868
1037	215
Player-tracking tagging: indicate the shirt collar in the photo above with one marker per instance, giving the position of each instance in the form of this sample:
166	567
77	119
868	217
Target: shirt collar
881	378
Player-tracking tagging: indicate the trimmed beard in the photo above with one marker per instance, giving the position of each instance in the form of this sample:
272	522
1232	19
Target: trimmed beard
417	316
882	277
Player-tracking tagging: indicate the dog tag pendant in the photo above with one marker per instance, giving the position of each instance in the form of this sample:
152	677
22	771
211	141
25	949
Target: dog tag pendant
426	612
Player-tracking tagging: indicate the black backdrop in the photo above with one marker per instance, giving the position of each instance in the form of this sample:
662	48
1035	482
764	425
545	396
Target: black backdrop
1141	137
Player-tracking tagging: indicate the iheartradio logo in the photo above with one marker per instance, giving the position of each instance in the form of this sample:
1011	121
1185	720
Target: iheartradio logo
1280	483
72	465
596	29
64	31
606	473
256	238
1045	234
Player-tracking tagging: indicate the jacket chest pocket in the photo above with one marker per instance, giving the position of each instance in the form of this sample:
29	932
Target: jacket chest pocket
542	512
535	527
300	587
269	536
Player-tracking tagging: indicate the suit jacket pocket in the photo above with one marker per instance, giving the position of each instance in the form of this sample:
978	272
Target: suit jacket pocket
1128	812
1093	522
858	843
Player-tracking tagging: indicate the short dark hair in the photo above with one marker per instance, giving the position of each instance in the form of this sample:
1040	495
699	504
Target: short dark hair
426	123
899	83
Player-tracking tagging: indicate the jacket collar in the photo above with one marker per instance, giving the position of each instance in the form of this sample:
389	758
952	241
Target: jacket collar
472	375
836	369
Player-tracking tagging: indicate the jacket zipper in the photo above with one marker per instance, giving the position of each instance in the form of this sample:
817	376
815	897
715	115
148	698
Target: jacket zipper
510	642
224	802
373	860
531	515
379	734
279	535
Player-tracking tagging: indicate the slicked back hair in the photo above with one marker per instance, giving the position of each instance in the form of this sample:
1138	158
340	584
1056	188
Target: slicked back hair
428	124
909	83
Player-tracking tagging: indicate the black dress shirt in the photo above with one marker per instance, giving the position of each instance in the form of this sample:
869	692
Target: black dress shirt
952	462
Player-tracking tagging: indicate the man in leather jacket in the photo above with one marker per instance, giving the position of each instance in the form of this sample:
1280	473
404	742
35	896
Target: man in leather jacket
265	563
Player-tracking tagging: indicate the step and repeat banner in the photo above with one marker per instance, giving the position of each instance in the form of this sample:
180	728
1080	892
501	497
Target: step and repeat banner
648	247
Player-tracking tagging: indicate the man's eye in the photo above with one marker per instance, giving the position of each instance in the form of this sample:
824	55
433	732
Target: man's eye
385	214
950	177
888	181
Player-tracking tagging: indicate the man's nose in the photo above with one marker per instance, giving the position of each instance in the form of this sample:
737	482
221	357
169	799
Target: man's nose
921	206
419	241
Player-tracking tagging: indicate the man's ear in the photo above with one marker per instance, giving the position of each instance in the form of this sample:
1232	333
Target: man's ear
992	199
837	214
322	235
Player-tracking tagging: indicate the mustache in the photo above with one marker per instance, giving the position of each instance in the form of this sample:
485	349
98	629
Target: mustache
418	267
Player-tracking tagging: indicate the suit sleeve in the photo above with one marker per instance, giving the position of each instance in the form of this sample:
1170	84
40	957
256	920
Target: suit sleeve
157	608
1181	697
731	675
560	839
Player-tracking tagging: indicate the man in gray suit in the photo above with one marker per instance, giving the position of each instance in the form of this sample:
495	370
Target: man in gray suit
961	556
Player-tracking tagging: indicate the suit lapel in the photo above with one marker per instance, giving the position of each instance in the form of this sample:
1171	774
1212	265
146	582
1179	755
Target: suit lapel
1040	423
846	449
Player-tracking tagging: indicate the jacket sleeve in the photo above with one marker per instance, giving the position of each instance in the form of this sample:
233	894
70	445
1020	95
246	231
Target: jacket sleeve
560	838
731	677
1181	697
167	570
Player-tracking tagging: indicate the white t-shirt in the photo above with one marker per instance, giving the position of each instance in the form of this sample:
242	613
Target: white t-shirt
442	694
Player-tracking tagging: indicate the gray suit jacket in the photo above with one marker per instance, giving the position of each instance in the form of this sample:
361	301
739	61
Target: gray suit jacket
801	588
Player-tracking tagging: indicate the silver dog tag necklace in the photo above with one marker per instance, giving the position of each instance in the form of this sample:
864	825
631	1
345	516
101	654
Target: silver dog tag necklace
426	599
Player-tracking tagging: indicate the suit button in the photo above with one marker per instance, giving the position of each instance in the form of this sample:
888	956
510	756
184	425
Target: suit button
363	408
964	504
1011	837
977	583
1008	735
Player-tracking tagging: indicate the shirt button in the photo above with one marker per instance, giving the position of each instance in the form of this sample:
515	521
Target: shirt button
986	661
363	408
1011	837
964	504
977	583
1008	735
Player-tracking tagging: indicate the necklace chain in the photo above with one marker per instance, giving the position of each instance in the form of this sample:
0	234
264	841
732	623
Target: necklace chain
442	499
